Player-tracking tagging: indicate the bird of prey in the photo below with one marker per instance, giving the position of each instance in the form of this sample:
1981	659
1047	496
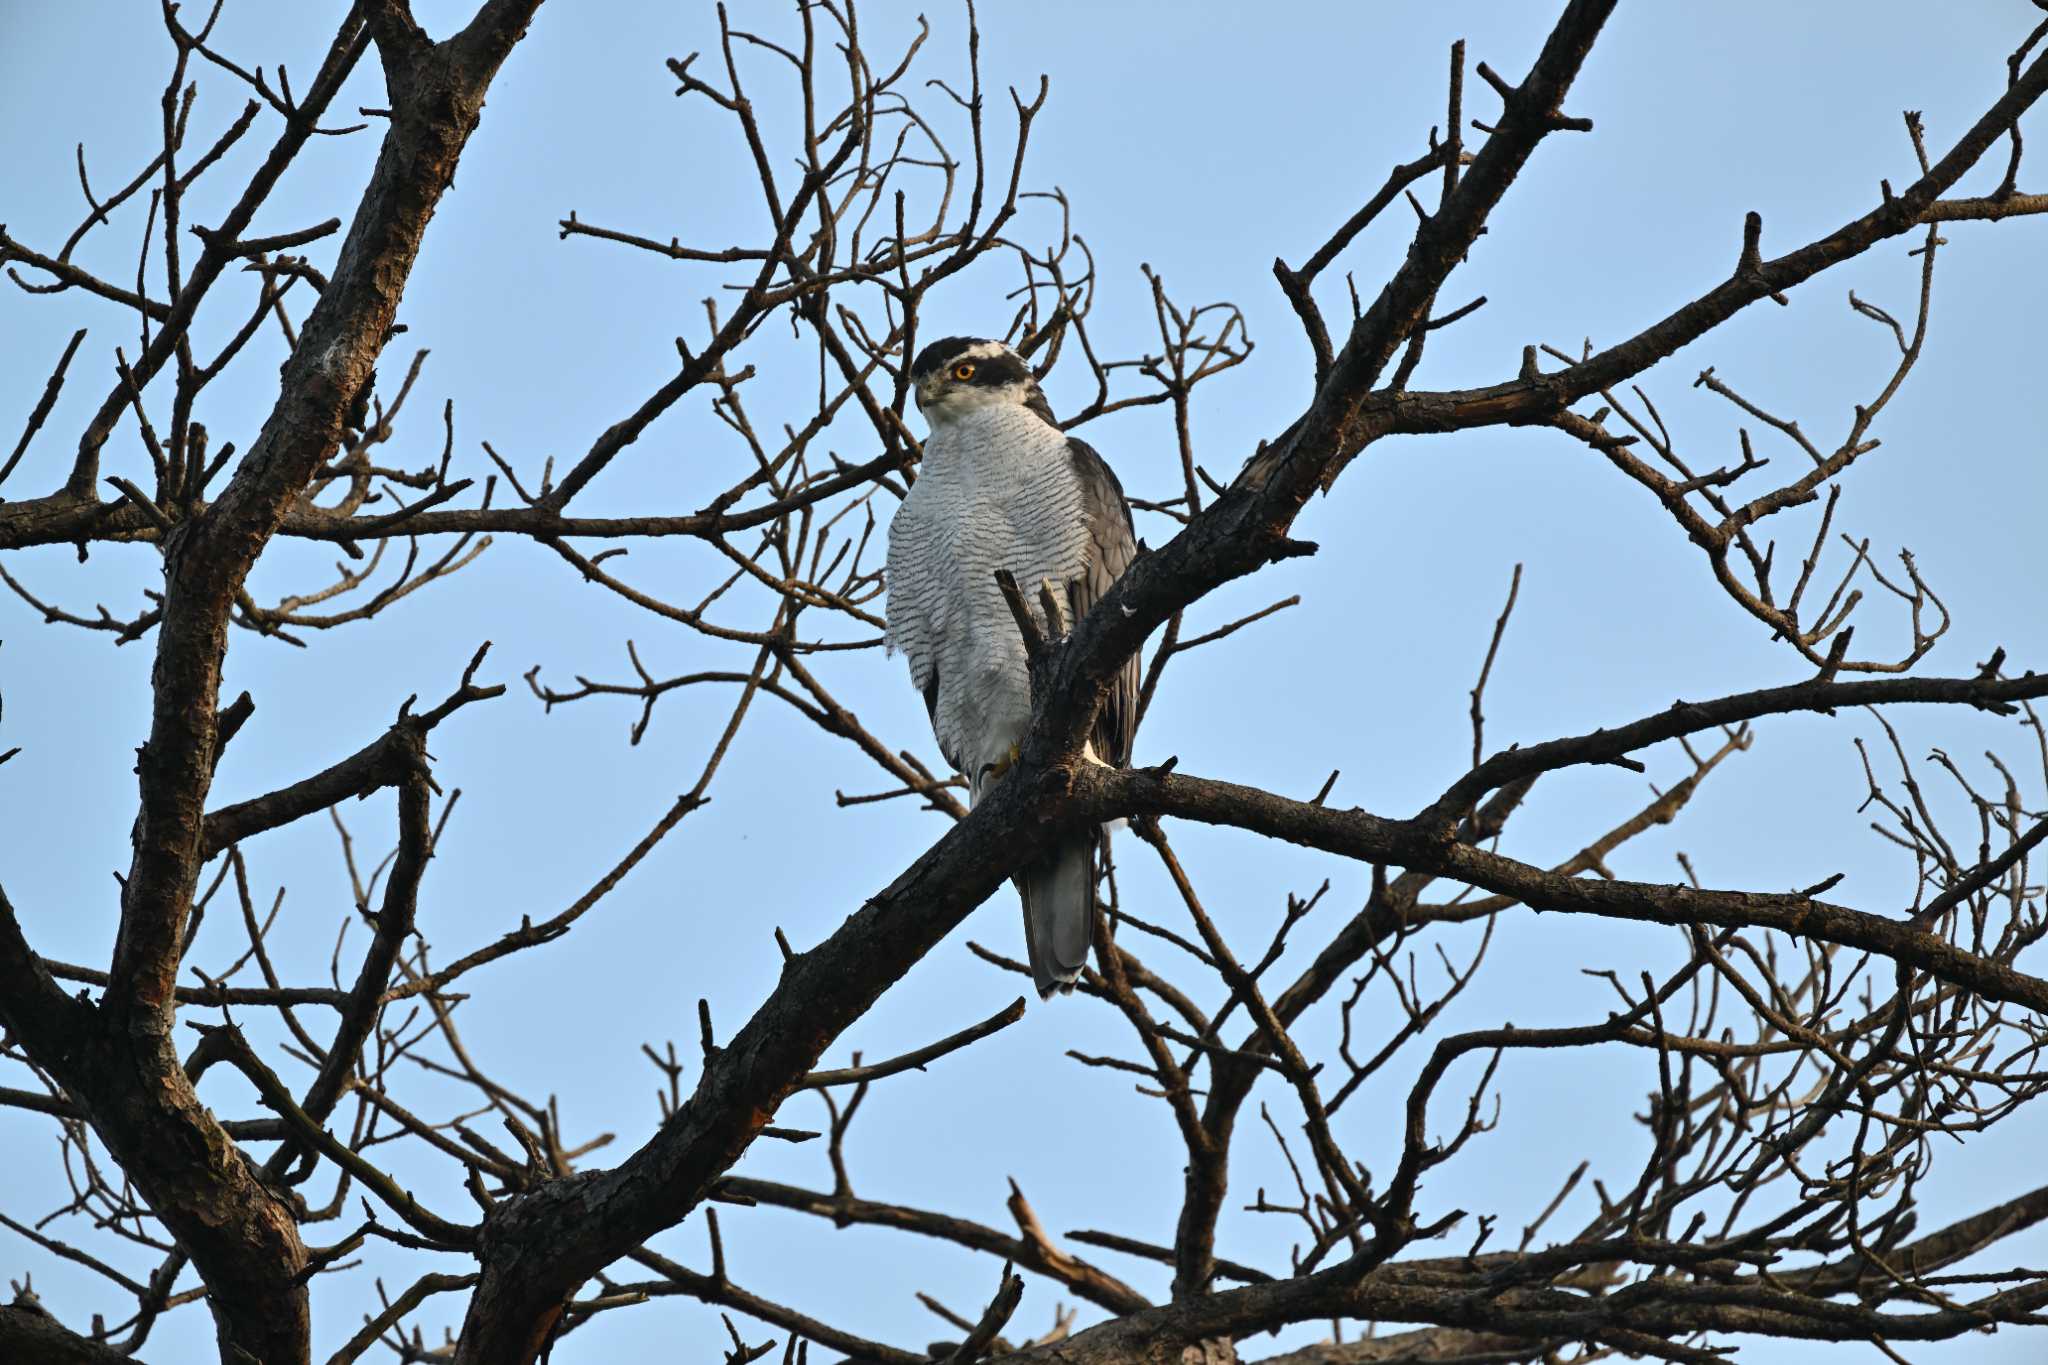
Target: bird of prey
1002	487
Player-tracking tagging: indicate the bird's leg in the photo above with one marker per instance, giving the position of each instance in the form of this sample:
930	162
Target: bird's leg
1003	764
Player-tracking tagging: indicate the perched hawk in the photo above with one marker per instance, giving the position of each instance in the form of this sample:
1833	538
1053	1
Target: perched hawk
1002	487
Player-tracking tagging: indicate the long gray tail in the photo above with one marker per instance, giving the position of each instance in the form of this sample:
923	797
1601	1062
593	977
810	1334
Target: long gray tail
1059	912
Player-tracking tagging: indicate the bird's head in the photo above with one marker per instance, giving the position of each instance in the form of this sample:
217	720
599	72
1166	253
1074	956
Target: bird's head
956	376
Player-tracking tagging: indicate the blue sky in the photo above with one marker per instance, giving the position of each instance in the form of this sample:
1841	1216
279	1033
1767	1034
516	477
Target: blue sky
1202	139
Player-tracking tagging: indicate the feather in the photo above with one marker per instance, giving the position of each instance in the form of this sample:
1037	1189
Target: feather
1059	913
1112	545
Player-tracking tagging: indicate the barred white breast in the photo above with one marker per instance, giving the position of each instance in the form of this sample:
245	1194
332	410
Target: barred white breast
997	490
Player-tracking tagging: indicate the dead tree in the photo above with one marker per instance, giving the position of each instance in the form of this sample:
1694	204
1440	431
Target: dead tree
1808	1055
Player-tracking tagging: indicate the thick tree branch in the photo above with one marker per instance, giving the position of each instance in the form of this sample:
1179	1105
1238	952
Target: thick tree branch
29	1335
241	1234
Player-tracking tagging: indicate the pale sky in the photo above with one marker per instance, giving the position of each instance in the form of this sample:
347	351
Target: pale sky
1203	139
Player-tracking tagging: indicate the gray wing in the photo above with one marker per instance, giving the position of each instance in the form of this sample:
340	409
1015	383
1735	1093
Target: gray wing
1112	545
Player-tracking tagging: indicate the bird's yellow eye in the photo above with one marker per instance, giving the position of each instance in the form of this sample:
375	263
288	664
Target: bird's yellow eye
963	373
